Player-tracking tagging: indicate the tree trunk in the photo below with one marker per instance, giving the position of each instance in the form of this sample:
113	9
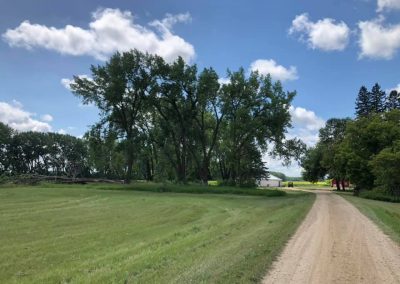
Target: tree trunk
129	170
204	171
129	162
148	170
343	185
337	184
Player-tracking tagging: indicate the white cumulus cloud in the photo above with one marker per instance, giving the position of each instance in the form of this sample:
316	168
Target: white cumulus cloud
47	118
277	72
325	34
109	31
378	41
18	118
306	124
306	119
388	5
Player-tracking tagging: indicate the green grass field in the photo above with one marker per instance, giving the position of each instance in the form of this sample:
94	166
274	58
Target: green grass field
385	214
80	234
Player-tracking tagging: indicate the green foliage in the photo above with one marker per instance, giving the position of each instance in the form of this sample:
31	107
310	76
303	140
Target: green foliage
379	194
202	189
325	158
386	168
42	153
175	123
365	139
393	100
119	90
162	121
313	170
362	102
374	101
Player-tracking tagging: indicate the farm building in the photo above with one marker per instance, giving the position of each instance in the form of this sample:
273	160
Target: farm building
272	181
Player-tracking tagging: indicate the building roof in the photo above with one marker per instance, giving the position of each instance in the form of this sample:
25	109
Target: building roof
272	177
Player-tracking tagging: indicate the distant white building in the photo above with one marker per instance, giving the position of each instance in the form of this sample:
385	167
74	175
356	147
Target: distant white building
272	181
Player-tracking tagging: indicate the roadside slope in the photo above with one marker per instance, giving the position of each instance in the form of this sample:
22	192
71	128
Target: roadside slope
337	244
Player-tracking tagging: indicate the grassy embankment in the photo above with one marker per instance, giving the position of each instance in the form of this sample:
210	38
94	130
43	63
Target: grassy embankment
385	214
73	233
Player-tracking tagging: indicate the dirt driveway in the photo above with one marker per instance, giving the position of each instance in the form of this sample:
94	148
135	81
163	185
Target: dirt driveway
337	244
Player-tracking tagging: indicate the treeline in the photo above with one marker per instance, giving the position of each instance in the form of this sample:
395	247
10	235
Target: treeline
364	150
168	121
283	177
41	153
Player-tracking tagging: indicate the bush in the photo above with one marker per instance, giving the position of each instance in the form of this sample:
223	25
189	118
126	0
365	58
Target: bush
379	194
199	189
4	179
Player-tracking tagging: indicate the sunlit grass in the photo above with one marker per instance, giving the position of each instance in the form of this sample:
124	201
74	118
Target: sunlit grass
83	234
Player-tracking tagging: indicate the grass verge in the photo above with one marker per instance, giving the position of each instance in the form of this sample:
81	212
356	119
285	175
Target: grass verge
82	234
385	215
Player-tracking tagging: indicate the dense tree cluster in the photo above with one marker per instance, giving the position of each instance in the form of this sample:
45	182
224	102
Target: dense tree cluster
41	153
376	101
173	122
168	121
364	150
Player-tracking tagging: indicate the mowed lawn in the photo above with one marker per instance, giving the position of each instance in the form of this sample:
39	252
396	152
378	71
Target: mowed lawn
385	214
77	234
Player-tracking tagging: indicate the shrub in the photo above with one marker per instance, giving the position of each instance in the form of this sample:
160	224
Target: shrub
379	194
199	189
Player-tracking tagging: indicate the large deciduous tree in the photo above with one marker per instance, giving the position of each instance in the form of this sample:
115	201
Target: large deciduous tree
119	90
256	113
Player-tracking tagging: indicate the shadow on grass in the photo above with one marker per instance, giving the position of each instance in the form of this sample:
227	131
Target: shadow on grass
195	189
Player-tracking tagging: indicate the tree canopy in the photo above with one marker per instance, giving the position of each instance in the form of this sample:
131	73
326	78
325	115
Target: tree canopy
163	120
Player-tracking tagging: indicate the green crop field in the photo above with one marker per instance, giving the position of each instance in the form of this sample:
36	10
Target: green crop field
385	214
307	184
60	234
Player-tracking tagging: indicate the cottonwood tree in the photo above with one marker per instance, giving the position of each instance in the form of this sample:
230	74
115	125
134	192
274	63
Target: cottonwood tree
313	170
330	138
208	119
175	102
256	115
119	90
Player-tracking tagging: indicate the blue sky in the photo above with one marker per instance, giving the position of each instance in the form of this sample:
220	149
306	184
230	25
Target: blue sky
325	50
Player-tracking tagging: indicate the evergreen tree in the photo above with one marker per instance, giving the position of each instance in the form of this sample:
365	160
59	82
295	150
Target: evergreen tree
393	101
377	99
363	107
